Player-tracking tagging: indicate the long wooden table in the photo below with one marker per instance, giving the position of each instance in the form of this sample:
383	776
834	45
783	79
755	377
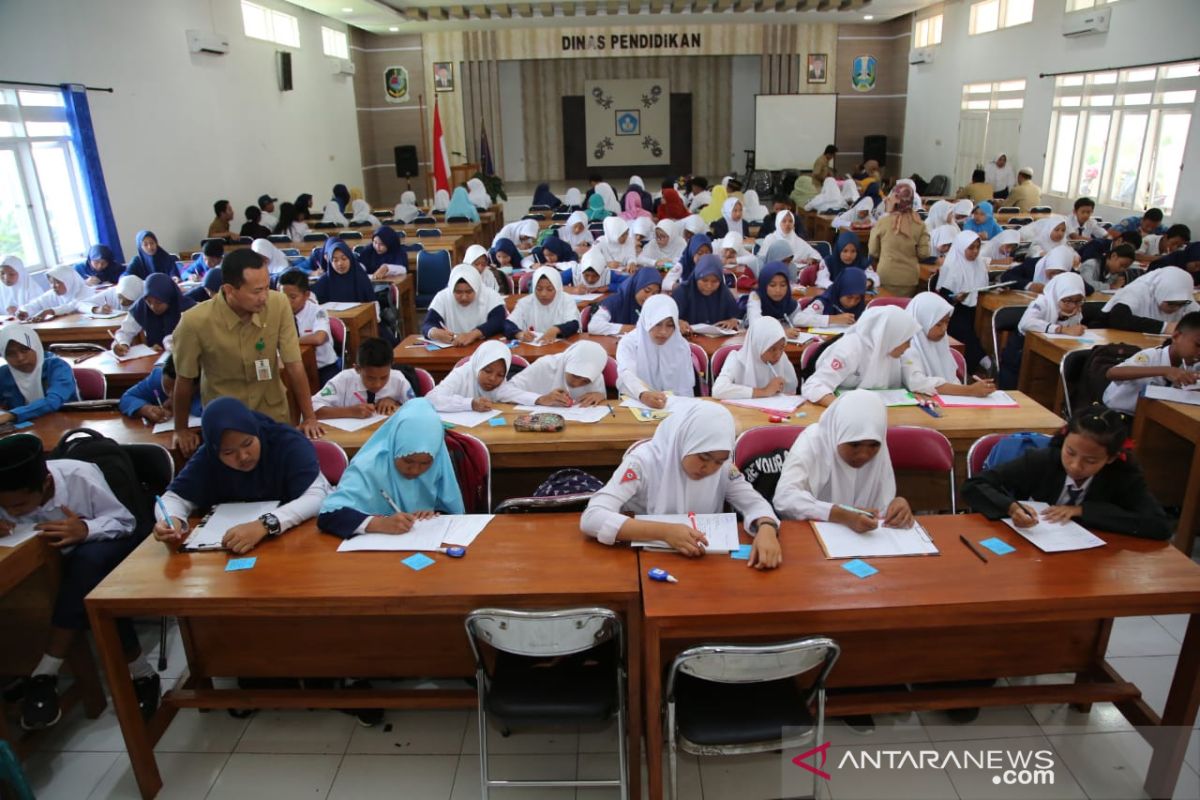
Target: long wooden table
118	375
1040	362
946	618
1167	437
455	245
307	611
991	302
77	328
439	361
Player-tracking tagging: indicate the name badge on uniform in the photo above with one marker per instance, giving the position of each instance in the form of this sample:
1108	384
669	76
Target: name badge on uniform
262	368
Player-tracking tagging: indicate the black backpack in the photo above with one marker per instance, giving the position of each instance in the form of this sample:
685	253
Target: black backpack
763	471
120	473
1093	378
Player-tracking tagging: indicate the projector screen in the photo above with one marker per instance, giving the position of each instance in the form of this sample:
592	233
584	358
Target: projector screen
791	130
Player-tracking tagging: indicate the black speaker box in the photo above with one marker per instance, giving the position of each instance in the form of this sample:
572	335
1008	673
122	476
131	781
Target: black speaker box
875	147
406	161
283	67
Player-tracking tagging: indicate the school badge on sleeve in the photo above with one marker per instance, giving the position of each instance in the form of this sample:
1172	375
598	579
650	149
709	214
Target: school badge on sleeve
629	476
837	364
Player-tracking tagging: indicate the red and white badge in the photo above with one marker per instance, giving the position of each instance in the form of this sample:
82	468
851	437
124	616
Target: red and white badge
837	364
629	475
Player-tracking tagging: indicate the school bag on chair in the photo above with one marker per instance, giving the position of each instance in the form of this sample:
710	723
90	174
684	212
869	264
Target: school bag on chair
471	470
118	468
1013	445
1093	379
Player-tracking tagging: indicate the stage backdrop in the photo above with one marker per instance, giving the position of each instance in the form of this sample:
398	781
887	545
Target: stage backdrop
628	122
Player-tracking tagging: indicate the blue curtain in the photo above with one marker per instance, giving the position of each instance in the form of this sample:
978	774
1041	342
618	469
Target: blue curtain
84	135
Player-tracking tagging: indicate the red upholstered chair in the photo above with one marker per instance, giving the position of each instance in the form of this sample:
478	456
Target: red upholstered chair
718	360
332	459
700	364
425	381
477	451
337	329
980	449
889	301
91	383
922	450
610	373
960	362
808	275
763	439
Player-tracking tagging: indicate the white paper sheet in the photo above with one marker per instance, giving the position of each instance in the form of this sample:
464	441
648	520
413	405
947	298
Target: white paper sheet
843	542
995	399
802	338
109	315
339	306
573	414
225	516
786	403
169	425
438	345
830	330
704	329
463	529
352	424
21	532
1054	537
587	297
467	419
674	403
427	535
891	397
136	351
720	529
1083	338
1189	395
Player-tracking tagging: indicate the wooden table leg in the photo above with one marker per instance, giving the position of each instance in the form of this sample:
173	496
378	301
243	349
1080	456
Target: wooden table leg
652	678
633	639
1161	450
87	678
133	728
1178	717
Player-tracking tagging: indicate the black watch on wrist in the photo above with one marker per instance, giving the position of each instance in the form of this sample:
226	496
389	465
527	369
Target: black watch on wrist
271	523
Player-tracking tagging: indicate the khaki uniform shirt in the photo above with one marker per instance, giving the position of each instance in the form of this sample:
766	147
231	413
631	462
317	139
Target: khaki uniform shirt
899	253
1024	196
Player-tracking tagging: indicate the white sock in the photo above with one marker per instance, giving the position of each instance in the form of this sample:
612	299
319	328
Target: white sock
49	665
140	667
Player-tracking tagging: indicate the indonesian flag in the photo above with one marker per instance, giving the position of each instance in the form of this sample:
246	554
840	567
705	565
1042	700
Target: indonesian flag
441	159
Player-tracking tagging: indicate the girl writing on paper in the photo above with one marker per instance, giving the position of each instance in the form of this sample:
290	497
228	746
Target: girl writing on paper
67	294
548	313
705	298
619	312
760	368
16	287
483	381
31	383
465	311
154	316
654	360
868	357
928	367
959	280
578	371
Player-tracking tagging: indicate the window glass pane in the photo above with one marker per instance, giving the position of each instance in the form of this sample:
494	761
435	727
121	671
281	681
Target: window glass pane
1071	80
935	29
921	34
59	129
57	185
1071	102
1172	137
1138	75
29	98
1010	86
985	16
1123	186
1018	12
286	29
333	43
1189	70
1010	104
16	227
11	129
1100	100
1104	78
1140	99
1092	163
979	88
1179	97
1064	149
254	21
978	104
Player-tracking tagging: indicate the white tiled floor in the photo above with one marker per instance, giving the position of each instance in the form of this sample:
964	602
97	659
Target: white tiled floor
431	755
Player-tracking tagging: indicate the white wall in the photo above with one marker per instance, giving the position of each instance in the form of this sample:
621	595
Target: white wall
1142	31
746	74
512	122
180	130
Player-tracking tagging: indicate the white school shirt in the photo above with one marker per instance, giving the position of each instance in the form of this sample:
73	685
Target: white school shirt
1034	319
1065	499
800	318
840	370
81	487
303	508
823	279
461	386
108	297
394	270
339	391
539	377
1091	228
268	221
601	324
311	319
1123	395
129	330
1149	246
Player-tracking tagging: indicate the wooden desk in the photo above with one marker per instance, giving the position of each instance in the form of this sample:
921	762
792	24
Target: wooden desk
944	618
406	287
360	324
1002	219
1040	362
119	375
511	300
306	610
455	245
77	328
439	362
1167	437
991	302
471	230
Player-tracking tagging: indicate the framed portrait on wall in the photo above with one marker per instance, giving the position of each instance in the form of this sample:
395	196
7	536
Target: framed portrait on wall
443	76
818	64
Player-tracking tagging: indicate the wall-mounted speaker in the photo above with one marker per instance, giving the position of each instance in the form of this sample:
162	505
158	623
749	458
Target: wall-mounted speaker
875	147
406	161
283	69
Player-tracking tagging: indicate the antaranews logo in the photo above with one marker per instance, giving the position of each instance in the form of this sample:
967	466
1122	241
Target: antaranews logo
1009	767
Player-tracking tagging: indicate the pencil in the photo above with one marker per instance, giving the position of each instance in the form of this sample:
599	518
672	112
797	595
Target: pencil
973	548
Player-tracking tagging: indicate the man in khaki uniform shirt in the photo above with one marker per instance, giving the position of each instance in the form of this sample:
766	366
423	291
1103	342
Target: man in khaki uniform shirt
823	166
233	343
219	227
1026	194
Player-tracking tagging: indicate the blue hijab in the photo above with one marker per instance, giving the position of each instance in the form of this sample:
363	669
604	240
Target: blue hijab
212	283
556	246
507	246
695	306
414	428
144	266
353	287
287	463
833	261
688	260
110	274
988	226
781	310
848	282
157	327
623	306
341	196
371	260
461	206
542	196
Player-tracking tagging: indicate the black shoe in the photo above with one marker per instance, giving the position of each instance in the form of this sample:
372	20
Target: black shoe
14	690
861	724
40	708
962	716
367	717
149	692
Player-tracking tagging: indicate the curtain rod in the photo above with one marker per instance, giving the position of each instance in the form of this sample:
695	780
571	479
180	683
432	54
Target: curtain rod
58	85
1108	69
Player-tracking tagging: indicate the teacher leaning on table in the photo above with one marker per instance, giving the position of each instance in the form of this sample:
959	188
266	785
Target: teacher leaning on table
899	242
234	344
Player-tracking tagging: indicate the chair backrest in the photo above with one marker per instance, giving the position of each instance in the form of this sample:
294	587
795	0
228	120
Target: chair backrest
756	663
808	275
922	450
979	451
901	302
154	465
91	383
937	185
560	216
332	459
433	272
290	252
524	279
1008	210
362	224
809	356
1041	210
960	365
718	359
467	446
610	373
279	238
585	316
458	219
338	330
324	226
543	634
538	207
537	217
425	381
763	439
427	233
700	365
1022	221
425	220
824	248
1070	370
553	503
1004	322
204	242
350	236
314	237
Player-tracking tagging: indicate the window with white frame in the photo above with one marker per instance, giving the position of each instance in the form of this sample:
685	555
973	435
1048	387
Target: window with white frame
1119	136
1081	5
992	15
334	43
994	96
928	32
44	210
260	22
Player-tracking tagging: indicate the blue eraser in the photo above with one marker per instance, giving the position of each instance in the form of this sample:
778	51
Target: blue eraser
236	564
20	426
417	561
998	546
742	553
497	422
860	568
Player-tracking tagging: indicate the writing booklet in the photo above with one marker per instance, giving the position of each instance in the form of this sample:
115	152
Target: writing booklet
996	399
427	535
786	403
571	413
136	351
466	419
169	425
102	315
587	297
352	424
1082	339
720	529
209	534
1188	395
1055	537
839	541
674	403
339	306
891	397
704	329
21	532
432	343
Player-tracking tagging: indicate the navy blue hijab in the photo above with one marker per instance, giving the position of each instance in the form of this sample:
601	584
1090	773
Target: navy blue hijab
212	283
556	246
341	195
833	261
371	261
688	260
111	272
623	306
508	247
695	306
851	281
144	266
781	310
157	327
353	287
542	196
287	463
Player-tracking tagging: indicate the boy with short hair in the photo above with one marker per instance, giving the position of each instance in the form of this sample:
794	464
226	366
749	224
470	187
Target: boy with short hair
1156	246
312	322
1080	224
150	399
372	387
70	505
1171	364
207	259
219	227
1146	224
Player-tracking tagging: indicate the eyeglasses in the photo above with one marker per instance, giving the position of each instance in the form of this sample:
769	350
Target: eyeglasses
1071	301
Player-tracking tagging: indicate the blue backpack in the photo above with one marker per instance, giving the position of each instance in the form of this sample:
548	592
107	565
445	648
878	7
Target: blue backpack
1013	446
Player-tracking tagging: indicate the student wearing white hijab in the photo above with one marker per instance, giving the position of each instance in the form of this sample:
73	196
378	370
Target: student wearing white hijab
840	466
573	199
465	311
867	357
942	239
733	219
477	257
693	225
732	247
360	211
477	193
66	294
577	374
575	232
666	247
441	200
482	382
752	208
547	312
994	249
940	213
829	200
859	214
522	233
277	262
616	245
406	209
961	211
642	229
1153	303
1058	259
1045	234
1000	175
961	276
682	470
1059	308
760	368
927	367
590	274
785	231
31	383
16	287
610	198
332	213
653	359
115	298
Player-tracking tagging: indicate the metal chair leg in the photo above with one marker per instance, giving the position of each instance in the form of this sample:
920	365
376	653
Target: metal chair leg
480	678
162	644
623	734
672	755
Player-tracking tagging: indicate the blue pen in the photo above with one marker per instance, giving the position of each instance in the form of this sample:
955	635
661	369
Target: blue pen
930	410
163	508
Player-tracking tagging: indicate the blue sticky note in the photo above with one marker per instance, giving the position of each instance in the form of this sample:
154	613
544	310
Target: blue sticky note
417	561
22	425
235	564
998	546
497	422
431	348
860	568
742	553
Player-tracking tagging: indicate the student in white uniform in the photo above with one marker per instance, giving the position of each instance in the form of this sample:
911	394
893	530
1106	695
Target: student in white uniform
962	210
16	287
772	297
407	210
785	231
1045	234
999	249
574	376
856	218
1174	363
1153	303
760	368
927	367
1054	262
482	382
868	357
477	257
940	213
590	274
576	234
667	246
962	275
654	359
370	387
683	469
616	245
115	298
312	322
465	311
1080	224
547	312
67	294
618	313
523	233
1108	273
360	211
277	262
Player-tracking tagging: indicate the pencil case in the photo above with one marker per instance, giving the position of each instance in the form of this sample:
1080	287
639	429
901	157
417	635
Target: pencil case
539	423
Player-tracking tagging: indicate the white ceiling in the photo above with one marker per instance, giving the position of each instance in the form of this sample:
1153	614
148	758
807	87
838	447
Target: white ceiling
421	16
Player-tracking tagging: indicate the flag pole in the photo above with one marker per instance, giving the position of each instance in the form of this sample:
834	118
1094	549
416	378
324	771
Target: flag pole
424	146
